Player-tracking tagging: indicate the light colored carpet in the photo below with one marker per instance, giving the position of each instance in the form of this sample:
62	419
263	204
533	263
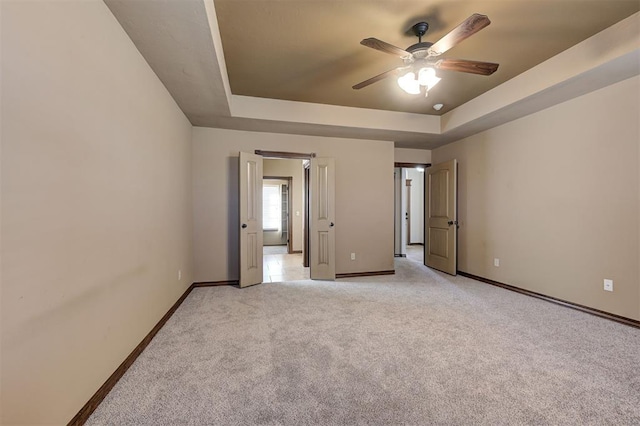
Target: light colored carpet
419	347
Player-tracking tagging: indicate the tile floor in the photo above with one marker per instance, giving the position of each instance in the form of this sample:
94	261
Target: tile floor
274	250
279	266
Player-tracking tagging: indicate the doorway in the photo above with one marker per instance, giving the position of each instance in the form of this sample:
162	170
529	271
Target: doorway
277	220
321	217
283	220
409	210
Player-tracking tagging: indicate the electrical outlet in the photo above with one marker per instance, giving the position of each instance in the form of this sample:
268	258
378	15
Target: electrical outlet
608	285
353	256
179	274
496	262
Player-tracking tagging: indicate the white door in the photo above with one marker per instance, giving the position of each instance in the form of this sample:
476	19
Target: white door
250	177
442	217
322	226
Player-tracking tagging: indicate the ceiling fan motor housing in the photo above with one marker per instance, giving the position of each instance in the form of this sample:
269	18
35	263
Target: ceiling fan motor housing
419	50
420	29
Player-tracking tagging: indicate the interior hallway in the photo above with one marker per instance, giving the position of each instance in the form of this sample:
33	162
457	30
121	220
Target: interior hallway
416	253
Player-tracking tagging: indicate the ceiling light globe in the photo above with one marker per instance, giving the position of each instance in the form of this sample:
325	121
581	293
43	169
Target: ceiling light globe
409	84
427	77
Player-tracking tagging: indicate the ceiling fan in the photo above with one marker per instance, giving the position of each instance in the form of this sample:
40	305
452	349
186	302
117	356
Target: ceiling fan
422	57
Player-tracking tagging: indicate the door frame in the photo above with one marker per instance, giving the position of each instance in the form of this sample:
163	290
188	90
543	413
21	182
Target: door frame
289	180
408	212
397	208
306	259
283	155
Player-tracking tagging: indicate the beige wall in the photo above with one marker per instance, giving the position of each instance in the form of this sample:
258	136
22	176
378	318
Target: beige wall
293	168
406	155
364	198
555	196
96	205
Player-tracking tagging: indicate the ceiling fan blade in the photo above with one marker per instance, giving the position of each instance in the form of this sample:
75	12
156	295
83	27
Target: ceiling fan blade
472	67
378	78
385	47
469	27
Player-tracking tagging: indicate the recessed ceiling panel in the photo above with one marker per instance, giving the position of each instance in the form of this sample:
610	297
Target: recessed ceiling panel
310	51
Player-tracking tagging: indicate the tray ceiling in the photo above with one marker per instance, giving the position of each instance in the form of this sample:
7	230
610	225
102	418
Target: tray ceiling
310	51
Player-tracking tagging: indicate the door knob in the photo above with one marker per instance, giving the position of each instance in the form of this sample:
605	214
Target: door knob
331	225
452	222
244	225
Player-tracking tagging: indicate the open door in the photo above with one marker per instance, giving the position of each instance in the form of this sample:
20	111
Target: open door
250	171
441	232
322	216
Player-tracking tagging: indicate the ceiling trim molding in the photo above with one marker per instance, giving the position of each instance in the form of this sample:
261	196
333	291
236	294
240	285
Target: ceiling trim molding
212	18
332	115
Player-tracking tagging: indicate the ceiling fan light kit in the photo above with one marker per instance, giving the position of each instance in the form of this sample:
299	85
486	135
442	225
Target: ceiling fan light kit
409	84
427	78
421	59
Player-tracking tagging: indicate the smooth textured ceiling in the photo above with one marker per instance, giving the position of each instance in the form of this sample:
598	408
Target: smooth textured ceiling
182	42
175	39
310	51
